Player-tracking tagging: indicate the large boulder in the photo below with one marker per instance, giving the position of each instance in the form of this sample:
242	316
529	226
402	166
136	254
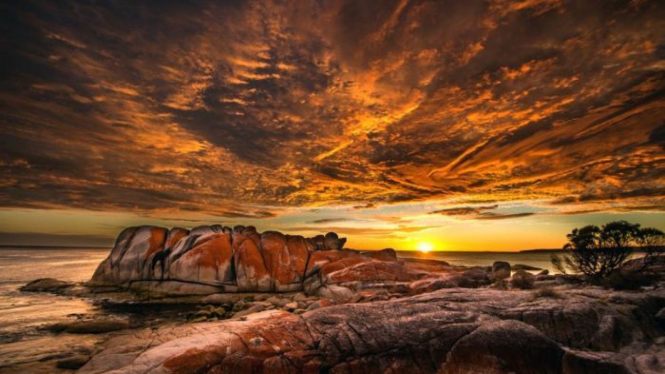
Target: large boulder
505	347
130	255
216	258
209	261
251	271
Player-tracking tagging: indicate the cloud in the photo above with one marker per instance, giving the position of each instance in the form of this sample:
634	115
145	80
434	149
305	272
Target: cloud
225	108
466	210
361	231
480	212
489	215
331	220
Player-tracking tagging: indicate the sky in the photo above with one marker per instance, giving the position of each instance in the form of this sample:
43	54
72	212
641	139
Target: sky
465	125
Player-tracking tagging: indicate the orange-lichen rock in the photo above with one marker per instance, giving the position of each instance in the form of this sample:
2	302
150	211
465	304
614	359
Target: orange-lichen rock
219	258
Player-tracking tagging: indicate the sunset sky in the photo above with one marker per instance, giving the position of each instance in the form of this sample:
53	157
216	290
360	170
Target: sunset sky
469	125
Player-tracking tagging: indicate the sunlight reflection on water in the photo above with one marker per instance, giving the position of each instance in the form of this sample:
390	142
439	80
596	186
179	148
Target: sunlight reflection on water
21	313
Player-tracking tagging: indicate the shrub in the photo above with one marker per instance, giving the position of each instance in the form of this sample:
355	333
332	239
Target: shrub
598	252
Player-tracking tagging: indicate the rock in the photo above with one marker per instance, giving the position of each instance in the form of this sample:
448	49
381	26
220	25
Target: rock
473	278
320	304
240	305
89	327
46	285
457	330
73	362
592	363
215	259
277	301
251	271
208	260
221	298
300	297
523	280
291	306
448	331
500	270
386	254
543	272
431	284
525	267
545	278
367	272
504	347
256	308
500	285
335	292
332	242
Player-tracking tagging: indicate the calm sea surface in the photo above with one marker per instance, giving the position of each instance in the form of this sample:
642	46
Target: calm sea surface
21	314
539	259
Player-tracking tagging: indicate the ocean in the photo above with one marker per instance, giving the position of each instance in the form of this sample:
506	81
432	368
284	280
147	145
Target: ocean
538	259
22	314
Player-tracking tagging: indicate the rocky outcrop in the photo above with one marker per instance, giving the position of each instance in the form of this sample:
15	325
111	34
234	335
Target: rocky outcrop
212	259
500	270
445	332
523	279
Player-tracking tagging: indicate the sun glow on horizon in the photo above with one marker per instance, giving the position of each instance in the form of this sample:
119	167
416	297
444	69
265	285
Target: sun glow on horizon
424	247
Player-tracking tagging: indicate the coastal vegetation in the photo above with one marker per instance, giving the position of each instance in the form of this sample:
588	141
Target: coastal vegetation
605	254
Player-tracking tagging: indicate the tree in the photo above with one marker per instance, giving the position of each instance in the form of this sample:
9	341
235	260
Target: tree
600	251
651	241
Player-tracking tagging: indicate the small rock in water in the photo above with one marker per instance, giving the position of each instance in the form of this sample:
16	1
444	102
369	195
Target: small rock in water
46	285
525	267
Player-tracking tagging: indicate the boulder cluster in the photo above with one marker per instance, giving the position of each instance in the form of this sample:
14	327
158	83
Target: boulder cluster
213	259
451	331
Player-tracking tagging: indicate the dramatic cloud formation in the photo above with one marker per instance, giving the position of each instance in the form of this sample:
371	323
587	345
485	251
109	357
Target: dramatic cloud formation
244	109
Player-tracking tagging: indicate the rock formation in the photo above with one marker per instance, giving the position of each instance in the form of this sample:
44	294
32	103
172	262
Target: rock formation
454	331
211	259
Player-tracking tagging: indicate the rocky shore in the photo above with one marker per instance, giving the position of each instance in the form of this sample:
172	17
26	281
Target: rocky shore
272	303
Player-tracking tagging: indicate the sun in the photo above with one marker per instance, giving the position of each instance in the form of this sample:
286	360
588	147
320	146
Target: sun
424	247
